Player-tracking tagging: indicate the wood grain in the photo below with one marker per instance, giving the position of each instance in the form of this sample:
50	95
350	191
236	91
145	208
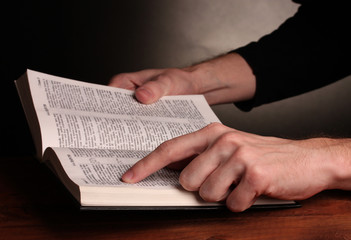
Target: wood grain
34	205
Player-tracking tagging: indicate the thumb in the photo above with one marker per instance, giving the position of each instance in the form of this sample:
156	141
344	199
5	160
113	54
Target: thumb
153	90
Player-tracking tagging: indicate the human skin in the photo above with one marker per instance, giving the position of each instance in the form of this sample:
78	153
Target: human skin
223	163
227	78
222	157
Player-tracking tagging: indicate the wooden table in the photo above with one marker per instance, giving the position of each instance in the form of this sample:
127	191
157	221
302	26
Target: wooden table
34	205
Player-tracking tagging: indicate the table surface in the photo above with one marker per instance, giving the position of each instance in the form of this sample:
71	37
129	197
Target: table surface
35	205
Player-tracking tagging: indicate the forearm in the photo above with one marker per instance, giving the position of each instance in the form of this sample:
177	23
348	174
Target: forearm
227	78
327	164
308	51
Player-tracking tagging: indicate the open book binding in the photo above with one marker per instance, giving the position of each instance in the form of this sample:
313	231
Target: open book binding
90	134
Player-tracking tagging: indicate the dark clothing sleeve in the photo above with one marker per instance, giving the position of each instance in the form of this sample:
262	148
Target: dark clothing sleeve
308	51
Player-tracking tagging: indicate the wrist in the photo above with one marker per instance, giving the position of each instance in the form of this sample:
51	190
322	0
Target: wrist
228	74
331	162
340	159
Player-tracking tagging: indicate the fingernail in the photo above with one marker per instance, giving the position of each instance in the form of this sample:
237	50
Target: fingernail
127	177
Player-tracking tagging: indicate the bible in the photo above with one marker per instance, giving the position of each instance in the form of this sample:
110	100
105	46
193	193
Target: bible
90	134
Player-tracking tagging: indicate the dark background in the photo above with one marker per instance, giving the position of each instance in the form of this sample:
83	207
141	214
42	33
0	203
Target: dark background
93	40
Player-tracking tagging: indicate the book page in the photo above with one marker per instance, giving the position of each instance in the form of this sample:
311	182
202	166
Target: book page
93	176
97	174
105	167
83	115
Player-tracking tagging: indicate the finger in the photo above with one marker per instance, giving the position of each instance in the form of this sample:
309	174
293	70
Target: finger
168	82
217	186
151	91
242	197
215	170
174	150
202	167
193	175
171	151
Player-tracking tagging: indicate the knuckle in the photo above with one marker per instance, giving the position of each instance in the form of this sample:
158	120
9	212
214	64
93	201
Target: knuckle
162	84
213	128
165	77
225	135
256	178
228	138
243	154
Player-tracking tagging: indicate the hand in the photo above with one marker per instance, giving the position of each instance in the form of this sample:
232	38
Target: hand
254	165
224	79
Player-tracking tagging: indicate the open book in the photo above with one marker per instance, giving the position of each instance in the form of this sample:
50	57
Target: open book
90	134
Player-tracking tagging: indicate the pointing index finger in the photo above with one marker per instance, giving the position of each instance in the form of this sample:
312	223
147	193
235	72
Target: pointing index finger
171	151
